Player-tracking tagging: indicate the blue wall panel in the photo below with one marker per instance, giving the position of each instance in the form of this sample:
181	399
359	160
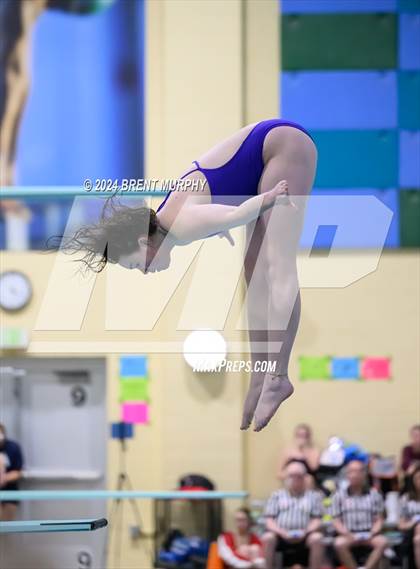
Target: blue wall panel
340	99
366	125
361	223
334	6
410	159
409	41
408	99
357	159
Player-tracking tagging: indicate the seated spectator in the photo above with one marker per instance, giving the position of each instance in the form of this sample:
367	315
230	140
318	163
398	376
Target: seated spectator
293	519
302	450
410	518
241	548
410	455
11	463
358	518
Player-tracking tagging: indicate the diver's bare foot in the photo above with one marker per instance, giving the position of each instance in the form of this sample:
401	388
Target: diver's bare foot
276	389
251	401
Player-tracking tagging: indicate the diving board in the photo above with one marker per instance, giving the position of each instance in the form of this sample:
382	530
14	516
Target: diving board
38	526
35	495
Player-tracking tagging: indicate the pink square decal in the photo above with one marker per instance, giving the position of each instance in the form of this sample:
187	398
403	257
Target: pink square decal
137	413
376	368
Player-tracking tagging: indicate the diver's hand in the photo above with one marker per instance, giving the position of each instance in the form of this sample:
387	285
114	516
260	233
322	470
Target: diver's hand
228	237
279	195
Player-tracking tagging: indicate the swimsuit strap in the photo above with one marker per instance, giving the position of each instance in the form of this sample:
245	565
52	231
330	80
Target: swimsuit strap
191	171
167	195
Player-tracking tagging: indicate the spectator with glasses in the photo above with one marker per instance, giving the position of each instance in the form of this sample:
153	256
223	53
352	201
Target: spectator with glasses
293	519
358	519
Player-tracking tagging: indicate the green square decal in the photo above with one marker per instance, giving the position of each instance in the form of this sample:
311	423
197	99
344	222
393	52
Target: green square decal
134	389
314	367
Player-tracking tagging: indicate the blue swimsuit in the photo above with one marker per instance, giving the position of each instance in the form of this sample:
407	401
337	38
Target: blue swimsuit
238	179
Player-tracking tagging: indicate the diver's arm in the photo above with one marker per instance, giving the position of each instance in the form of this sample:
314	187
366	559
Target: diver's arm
199	221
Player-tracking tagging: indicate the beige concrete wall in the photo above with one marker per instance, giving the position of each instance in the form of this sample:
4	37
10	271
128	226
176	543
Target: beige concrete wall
261	60
194	80
143	460
195	99
195	418
379	316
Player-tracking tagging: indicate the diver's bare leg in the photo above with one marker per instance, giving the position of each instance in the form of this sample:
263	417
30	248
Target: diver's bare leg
296	163
257	307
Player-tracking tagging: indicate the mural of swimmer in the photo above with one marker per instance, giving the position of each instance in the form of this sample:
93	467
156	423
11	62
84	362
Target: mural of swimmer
17	20
259	177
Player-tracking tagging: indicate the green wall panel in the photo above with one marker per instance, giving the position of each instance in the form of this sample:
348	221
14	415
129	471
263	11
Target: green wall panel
357	158
409	100
410	218
339	41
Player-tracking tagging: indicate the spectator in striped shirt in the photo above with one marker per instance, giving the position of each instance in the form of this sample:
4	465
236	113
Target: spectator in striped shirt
410	517
358	518
293	519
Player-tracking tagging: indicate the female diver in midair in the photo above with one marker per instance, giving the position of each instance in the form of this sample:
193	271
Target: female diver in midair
266	164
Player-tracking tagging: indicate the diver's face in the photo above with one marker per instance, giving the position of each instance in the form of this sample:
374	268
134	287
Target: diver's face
147	258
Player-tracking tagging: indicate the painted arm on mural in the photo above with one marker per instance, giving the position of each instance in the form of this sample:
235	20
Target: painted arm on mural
16	23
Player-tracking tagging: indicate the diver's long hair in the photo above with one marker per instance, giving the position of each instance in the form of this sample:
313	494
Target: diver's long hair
115	234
